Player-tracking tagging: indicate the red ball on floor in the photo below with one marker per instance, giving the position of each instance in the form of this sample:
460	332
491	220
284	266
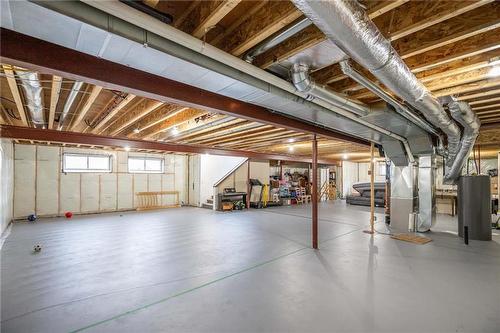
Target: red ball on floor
68	215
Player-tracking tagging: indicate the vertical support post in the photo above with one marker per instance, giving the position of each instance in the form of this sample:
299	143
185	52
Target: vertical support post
314	192
372	189
479	159
249	189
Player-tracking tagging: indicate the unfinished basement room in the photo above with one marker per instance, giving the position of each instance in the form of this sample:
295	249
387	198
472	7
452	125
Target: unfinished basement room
249	166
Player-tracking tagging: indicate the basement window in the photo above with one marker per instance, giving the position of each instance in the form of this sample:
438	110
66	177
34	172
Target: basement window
73	162
145	165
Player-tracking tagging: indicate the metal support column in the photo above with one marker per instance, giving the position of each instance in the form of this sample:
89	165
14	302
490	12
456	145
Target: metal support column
372	190
249	188
314	192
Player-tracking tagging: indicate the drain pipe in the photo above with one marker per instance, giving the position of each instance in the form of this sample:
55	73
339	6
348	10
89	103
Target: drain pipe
463	114
404	111
277	38
69	102
33	93
346	24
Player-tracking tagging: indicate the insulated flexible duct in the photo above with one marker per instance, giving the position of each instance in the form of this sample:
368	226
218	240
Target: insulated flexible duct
463	114
33	93
346	24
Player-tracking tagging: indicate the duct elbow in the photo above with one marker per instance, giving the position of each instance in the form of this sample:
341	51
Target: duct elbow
463	114
300	77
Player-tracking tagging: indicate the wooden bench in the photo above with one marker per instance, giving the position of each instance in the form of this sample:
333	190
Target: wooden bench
156	200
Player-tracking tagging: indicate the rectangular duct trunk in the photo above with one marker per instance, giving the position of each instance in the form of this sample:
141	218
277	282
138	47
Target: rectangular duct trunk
403	195
426	192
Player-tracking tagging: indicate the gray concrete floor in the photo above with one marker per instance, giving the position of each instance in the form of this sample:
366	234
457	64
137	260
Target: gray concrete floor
192	270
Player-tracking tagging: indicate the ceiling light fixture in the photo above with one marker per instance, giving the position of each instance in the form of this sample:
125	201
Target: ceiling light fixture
127	148
136	130
345	157
290	149
175	131
291	140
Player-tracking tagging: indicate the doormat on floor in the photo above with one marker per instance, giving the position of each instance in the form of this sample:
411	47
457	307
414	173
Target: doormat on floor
412	238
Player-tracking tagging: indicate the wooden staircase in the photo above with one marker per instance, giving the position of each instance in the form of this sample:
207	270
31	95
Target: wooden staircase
209	204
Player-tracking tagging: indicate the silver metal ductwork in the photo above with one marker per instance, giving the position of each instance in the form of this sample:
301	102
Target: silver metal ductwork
33	93
69	102
303	82
346	23
463	114
374	88
277	38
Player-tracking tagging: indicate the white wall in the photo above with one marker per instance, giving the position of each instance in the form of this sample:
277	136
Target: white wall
6	182
212	169
354	172
42	188
260	170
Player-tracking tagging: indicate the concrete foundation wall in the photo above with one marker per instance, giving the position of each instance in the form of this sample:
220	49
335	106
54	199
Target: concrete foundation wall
6	183
41	188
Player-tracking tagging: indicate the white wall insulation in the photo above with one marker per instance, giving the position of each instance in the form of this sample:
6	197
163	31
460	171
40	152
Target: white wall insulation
6	183
42	188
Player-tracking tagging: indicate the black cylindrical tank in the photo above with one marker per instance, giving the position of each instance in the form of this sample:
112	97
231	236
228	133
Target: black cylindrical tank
474	206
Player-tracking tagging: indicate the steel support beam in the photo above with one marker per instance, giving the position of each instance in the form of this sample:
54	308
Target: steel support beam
314	192
26	51
53	136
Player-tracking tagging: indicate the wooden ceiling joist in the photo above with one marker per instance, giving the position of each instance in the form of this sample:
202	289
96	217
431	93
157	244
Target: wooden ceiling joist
4	118
175	120
132	116
156	118
487	107
193	129
99	128
481	103
414	16
11	81
225	133
446	82
96	90
311	36
248	134
480	95
55	91
466	88
208	14
440	56
272	17
179	21
248	143
243	18
475	22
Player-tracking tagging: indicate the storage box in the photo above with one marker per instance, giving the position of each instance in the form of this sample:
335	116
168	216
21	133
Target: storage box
227	206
